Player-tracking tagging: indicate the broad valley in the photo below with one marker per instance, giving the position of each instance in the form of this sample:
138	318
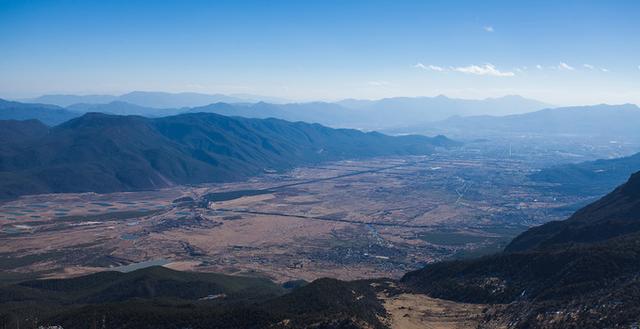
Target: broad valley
319	164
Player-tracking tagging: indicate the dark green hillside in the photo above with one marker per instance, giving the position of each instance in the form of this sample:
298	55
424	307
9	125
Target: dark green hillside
20	132
151	282
616	214
592	177
107	153
331	301
567	272
599	242
161	298
586	266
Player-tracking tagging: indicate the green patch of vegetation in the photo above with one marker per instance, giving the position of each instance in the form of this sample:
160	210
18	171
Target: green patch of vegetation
231	195
119	215
451	238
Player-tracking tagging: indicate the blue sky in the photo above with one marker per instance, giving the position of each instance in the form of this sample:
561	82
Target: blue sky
561	52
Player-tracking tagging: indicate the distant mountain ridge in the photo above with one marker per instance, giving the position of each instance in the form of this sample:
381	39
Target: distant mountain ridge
314	112
123	108
107	153
377	114
351	113
45	113
415	110
159	100
594	120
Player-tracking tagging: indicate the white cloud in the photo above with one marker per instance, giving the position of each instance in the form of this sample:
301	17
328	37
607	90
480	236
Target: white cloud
378	83
429	67
420	66
488	29
604	69
589	66
565	66
486	69
539	67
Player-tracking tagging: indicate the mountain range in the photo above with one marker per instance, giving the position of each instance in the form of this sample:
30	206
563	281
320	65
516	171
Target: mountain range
123	108
403	111
153	99
505	116
585	121
352	113
47	114
106	153
377	114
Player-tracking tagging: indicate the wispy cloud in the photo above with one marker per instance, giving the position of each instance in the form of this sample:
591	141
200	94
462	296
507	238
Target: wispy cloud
486	69
429	67
491	70
565	66
593	67
489	28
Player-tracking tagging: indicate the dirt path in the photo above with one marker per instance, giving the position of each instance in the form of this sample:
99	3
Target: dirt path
415	311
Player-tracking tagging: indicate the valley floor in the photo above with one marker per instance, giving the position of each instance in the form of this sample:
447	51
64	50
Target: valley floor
349	219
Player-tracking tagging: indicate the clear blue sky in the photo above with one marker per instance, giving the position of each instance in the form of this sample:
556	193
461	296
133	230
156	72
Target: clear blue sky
562	52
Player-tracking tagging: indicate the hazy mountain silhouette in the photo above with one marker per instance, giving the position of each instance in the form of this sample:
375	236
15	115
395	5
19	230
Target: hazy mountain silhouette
48	114
365	114
405	111
596	120
154	99
123	108
316	112
378	114
66	100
